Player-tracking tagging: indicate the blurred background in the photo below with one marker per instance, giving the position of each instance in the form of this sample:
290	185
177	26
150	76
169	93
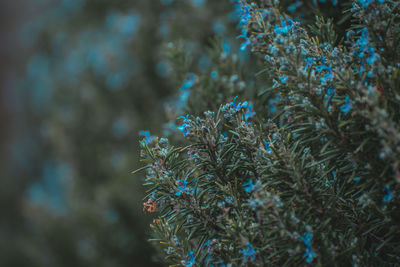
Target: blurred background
78	80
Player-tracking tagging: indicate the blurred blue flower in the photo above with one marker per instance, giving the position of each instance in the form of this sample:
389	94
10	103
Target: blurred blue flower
188	82
309	254
346	107
146	135
388	194
198	3
294	6
248	186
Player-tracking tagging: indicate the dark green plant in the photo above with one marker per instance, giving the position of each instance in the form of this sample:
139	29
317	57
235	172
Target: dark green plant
315	180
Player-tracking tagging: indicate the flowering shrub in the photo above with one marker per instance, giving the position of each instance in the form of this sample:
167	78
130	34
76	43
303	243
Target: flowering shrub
314	182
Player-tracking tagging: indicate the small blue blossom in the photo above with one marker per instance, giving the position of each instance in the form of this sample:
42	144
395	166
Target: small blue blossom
286	26
372	58
309	254
248	253
346	107
309	62
184	90
333	177
188	82
306	238
330	92
244	45
248	186
294	6
239	105
181	188
283	79
249	112
226	47
184	128
191	262
146	135
388	195
214	74
365	3
267	147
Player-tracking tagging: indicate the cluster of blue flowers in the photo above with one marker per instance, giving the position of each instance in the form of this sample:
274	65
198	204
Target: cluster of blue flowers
245	105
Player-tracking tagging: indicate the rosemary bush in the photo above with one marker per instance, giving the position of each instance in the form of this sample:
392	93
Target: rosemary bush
304	173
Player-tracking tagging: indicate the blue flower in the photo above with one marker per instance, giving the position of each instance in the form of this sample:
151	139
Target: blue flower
147	137
365	3
226	47
182	188
188	82
309	61
286	26
294	6
249	112
283	79
346	107
246	43
239	105
184	128
371	59
248	252
214	74
267	147
388	195
333	177
328	75
191	261
306	238
248	186
309	254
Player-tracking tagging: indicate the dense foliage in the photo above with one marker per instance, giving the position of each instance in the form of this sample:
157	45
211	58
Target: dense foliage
305	173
